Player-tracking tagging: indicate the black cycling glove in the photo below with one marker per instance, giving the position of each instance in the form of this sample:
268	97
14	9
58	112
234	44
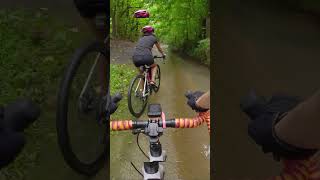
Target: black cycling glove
11	144
113	106
15	117
19	114
192	99
264	114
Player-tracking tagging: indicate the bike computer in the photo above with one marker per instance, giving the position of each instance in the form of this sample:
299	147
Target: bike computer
154	110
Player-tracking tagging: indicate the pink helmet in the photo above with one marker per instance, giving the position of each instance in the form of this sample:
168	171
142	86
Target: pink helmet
147	29
141	14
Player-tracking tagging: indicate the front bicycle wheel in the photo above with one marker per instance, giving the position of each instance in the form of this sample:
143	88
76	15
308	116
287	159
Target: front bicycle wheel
137	100
81	131
157	79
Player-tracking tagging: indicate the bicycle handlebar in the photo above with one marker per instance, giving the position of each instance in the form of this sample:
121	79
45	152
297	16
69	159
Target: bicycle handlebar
121	125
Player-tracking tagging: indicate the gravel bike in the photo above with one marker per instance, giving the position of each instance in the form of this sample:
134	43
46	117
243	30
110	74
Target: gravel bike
153	128
140	89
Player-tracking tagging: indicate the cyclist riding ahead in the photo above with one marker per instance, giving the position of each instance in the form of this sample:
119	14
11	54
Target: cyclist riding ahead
143	51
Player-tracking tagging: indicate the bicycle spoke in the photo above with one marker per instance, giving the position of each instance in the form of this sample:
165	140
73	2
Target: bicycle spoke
89	76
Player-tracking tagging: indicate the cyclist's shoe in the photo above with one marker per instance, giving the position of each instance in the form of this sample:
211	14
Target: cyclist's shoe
11	145
264	115
19	114
139	93
153	85
192	99
306	169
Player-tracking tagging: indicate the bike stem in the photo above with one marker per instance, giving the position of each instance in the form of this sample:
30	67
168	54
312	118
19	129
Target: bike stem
153	169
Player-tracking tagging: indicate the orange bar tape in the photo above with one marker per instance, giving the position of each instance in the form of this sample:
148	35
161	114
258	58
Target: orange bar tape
121	125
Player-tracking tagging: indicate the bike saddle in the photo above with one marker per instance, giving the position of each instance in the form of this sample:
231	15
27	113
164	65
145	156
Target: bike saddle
144	67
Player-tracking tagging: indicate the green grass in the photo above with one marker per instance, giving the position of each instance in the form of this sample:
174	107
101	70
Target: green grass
34	51
121	76
202	51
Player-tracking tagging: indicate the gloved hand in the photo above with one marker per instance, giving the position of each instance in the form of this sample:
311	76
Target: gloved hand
113	106
264	114
11	144
15	117
19	114
192	99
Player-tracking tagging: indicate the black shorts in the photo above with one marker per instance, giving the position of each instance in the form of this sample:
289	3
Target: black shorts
90	8
140	60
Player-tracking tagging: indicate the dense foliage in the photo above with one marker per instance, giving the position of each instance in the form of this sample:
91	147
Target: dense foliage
182	24
34	51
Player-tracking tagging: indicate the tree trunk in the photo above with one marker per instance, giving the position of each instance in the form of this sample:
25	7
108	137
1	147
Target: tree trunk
208	27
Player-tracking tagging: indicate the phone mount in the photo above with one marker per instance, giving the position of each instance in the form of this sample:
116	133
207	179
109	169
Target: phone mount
153	169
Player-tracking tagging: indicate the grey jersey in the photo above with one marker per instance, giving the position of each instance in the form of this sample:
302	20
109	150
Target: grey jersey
145	45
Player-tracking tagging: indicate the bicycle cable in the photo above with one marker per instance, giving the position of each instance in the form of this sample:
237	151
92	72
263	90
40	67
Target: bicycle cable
136	169
140	147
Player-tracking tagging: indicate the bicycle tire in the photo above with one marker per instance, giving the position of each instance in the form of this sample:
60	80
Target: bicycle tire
139	113
158	74
88	169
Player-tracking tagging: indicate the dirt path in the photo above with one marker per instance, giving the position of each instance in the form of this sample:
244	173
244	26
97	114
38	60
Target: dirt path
121	51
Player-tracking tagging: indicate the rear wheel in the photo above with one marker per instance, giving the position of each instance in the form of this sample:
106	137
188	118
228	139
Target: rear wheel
157	79
82	135
136	101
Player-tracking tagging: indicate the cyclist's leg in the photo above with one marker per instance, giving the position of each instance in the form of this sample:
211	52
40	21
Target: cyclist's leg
154	69
148	60
139	63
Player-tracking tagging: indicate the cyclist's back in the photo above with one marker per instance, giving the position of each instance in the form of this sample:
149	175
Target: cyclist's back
145	45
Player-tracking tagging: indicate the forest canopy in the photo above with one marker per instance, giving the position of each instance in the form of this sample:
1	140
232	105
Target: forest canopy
181	24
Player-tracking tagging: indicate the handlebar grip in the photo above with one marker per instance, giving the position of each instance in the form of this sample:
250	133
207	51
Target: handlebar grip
120	125
193	122
188	122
